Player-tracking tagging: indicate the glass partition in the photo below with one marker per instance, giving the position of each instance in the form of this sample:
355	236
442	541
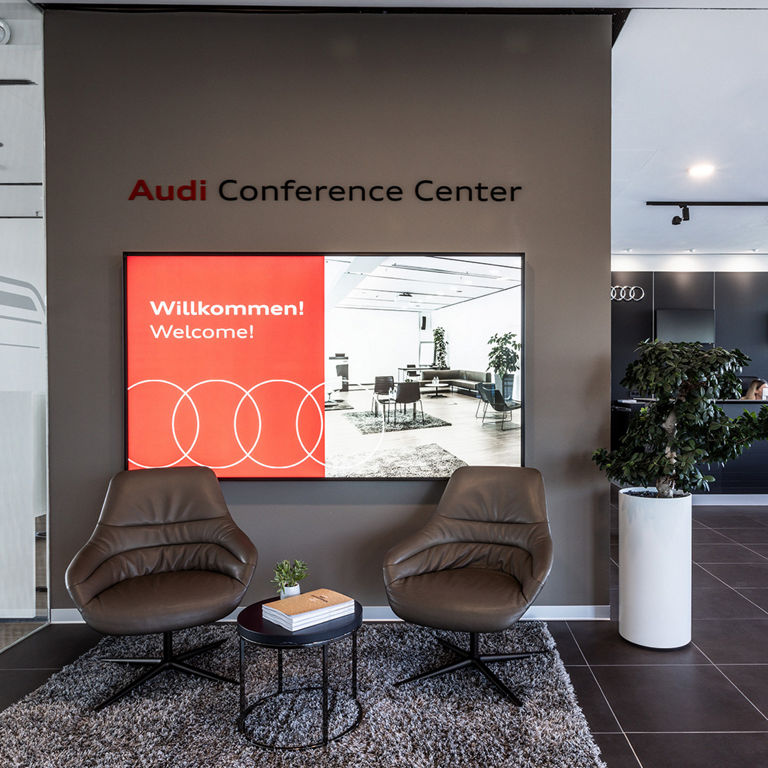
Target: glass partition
23	375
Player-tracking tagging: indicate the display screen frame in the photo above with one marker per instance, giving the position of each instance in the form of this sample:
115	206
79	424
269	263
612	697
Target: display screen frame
469	255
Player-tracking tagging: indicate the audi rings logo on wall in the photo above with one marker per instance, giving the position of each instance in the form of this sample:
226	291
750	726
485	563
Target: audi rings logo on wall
225	363
627	293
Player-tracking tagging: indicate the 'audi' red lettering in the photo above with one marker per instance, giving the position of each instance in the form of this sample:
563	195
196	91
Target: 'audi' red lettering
186	192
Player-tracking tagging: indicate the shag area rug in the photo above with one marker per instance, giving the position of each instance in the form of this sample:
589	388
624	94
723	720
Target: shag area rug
369	424
429	460
176	721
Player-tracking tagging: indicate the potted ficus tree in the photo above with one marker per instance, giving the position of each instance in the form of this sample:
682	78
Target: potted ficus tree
660	459
287	577
504	360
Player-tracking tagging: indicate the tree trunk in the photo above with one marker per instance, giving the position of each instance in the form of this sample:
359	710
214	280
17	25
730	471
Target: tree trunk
665	486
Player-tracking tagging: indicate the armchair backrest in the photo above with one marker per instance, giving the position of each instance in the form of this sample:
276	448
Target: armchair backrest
488	517
494	495
160	520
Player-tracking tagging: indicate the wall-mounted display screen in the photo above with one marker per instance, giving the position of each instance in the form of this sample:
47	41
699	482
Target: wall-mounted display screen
322	365
686	325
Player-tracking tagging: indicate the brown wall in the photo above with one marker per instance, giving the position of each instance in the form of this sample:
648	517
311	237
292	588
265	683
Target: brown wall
353	98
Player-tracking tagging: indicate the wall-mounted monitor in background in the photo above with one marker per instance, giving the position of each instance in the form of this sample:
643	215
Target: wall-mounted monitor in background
686	325
233	362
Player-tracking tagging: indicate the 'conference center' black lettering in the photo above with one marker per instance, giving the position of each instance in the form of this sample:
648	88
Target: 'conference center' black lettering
425	190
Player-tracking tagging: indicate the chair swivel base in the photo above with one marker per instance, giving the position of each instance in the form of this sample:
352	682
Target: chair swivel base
166	662
472	658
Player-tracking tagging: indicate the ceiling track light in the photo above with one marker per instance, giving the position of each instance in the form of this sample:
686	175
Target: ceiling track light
685	207
685	217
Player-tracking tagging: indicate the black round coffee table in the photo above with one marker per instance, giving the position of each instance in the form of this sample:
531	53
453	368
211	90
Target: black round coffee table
253	628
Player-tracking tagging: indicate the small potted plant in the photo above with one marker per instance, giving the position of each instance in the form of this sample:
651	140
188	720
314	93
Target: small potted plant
660	458
504	360
287	577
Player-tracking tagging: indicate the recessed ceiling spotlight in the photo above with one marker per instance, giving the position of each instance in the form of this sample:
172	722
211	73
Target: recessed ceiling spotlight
701	170
691	250
627	250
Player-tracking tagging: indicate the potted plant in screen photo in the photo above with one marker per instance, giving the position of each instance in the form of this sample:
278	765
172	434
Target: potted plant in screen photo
660	458
287	577
441	348
504	360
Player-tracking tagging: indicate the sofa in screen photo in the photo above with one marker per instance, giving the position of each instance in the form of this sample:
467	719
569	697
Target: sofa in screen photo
459	380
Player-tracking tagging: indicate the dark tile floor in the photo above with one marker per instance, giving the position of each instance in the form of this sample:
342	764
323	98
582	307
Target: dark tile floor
27	664
703	706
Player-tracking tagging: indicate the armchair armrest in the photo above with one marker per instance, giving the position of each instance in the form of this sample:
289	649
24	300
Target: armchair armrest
410	556
540	548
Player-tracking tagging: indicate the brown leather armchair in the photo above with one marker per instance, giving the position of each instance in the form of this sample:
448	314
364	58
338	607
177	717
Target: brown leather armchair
165	555
478	563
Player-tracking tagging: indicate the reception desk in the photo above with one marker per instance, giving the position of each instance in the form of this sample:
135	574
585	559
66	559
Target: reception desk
746	474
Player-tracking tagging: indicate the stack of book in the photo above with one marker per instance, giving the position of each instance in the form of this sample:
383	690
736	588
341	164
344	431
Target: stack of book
306	610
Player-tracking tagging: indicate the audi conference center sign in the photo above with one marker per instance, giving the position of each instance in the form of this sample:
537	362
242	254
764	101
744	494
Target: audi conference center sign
293	191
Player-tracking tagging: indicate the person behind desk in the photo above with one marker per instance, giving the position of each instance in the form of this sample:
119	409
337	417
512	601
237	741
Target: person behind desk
754	390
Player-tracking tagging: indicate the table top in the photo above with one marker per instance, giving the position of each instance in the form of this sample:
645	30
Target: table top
253	627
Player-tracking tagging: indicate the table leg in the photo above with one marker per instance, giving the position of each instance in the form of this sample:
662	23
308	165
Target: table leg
279	670
325	694
242	675
354	664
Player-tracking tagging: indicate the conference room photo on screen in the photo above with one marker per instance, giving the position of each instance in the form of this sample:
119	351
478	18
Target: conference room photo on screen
257	365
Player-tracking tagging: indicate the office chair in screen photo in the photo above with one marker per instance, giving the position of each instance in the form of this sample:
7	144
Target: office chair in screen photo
407	393
382	386
491	397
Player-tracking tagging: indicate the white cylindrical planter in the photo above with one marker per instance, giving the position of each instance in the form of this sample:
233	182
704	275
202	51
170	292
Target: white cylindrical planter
654	569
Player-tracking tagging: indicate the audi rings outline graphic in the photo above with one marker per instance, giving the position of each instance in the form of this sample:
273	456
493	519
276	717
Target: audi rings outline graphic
627	293
247	395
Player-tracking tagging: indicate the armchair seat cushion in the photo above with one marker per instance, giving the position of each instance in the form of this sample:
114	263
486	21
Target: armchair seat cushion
161	602
460	599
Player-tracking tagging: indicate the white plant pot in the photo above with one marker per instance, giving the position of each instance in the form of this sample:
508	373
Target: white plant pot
654	570
290	591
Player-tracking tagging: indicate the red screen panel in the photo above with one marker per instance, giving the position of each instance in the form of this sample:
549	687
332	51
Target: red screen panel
225	363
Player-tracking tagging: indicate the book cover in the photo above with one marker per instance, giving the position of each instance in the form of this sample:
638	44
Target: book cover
315	600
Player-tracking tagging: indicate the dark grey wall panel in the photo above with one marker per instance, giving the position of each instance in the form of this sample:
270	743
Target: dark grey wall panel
631	323
366	98
740	301
684	290
741	316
